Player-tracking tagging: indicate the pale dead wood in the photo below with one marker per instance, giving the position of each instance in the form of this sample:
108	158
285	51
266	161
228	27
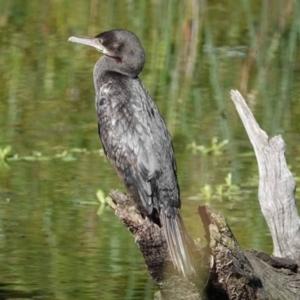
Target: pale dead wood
276	185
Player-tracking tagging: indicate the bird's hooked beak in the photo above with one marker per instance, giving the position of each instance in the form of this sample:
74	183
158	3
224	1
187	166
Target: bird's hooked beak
94	42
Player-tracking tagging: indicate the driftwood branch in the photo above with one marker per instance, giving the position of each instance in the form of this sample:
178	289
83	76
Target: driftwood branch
151	241
276	185
225	270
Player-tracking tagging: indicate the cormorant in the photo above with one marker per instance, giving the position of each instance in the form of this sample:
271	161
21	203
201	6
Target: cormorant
135	137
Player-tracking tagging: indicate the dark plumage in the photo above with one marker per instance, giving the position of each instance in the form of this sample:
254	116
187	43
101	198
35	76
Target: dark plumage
135	137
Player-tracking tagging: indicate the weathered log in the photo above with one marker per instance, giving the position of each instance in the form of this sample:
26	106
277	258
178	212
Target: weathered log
151	241
239	274
233	274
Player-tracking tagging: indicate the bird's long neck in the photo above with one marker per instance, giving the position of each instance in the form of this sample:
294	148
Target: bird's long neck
104	65
127	67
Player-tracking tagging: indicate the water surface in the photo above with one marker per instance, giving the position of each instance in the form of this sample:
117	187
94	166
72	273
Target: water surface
53	244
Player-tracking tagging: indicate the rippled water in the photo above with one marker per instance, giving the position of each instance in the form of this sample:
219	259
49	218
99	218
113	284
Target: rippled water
53	243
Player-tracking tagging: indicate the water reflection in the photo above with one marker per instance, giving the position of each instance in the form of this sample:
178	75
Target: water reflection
52	243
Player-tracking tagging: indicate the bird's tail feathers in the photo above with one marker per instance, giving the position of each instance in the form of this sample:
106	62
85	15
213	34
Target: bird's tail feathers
178	240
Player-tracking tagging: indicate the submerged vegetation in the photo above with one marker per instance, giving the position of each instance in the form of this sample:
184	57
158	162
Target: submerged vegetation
101	202
213	149
6	155
220	191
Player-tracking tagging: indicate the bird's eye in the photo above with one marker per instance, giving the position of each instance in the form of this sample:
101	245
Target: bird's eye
100	40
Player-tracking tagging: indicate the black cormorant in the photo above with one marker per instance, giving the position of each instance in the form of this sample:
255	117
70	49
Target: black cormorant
135	137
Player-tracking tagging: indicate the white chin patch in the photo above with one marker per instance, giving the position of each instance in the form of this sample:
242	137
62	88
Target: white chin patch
104	51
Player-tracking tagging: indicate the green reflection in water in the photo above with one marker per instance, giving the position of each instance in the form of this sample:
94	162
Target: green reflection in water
53	244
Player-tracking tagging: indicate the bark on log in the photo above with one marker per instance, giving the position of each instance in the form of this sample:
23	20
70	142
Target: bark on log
233	272
151	241
239	274
225	270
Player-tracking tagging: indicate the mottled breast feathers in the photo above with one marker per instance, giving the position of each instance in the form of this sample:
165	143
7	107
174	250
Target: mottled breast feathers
130	131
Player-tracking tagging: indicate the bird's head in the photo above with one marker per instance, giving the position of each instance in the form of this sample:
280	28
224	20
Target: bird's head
122	46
